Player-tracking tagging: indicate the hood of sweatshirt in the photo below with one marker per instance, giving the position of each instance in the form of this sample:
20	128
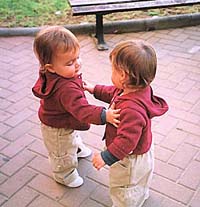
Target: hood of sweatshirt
144	98
47	84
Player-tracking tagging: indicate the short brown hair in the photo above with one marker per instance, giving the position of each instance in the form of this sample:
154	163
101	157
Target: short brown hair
138	59
51	39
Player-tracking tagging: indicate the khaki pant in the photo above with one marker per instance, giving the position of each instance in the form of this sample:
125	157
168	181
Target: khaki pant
62	146
130	180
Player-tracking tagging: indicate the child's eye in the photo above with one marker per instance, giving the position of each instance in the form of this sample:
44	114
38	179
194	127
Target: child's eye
73	61
70	63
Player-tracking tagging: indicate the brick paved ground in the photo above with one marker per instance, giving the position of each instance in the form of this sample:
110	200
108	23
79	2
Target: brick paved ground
25	176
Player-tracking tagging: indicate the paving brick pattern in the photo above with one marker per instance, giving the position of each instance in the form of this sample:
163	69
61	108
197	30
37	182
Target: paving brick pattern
25	174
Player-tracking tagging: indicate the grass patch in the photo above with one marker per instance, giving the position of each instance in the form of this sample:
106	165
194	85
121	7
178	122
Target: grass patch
26	13
33	13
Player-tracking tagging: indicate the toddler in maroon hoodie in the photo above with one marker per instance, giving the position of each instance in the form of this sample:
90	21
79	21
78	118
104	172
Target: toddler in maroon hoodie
129	148
63	105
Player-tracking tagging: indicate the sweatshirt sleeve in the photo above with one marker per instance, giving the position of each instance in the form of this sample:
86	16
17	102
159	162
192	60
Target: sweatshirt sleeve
128	135
74	101
108	158
104	93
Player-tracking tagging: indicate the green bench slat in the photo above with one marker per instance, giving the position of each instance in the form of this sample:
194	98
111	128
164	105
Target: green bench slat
111	8
74	3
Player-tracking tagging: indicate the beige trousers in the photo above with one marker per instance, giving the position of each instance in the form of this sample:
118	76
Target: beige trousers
130	180
62	146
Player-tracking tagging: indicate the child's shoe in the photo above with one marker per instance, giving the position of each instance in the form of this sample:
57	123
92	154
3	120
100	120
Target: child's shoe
76	183
83	151
73	180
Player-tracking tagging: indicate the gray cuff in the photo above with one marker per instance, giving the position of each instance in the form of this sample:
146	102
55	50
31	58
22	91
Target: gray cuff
108	158
103	116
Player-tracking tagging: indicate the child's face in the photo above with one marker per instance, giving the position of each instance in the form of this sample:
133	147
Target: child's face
66	64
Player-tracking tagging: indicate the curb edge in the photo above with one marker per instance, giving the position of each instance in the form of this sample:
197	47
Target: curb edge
149	24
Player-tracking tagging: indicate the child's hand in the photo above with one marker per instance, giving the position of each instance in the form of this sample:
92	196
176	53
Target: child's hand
97	161
88	87
112	115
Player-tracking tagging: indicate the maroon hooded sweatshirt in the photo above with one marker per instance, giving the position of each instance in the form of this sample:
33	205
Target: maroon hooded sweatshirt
63	103
133	135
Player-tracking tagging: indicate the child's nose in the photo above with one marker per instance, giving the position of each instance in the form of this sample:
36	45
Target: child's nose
78	62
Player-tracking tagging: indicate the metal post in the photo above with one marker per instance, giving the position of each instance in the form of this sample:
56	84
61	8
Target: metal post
101	45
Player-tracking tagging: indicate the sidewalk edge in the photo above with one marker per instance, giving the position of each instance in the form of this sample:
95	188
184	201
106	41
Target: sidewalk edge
154	23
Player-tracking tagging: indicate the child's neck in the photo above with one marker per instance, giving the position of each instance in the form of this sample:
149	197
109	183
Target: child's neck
129	90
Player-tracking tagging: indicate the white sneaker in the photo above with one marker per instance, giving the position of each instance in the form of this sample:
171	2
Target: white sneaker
76	183
83	151
72	180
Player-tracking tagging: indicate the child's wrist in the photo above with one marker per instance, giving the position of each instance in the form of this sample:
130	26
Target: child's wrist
108	158
92	91
103	116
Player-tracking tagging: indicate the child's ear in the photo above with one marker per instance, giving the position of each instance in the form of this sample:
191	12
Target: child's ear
123	75
50	68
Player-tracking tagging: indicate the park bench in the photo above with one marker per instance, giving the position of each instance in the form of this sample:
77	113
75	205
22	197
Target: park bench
103	7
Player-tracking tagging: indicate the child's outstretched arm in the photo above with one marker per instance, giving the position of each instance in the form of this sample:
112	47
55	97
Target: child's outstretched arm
111	114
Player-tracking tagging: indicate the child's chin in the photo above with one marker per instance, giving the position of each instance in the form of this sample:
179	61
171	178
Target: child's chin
77	74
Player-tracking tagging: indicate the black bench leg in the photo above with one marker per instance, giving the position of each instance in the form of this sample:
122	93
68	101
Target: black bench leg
101	45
